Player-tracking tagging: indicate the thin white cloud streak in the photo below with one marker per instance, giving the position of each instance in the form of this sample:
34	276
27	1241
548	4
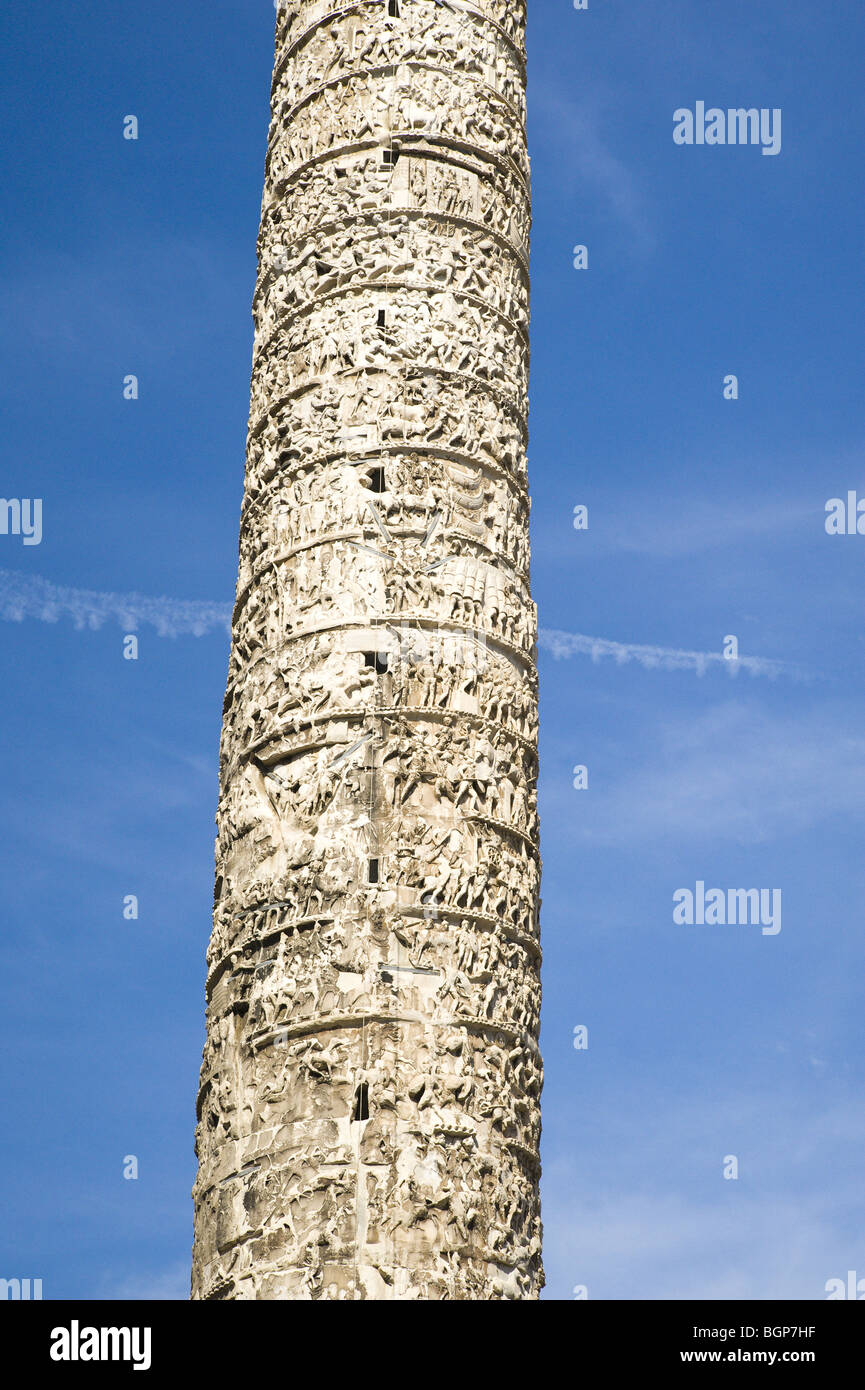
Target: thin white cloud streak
561	645
577	130
24	596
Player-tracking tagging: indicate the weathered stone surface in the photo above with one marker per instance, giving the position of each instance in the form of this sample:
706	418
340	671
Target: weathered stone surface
369	1107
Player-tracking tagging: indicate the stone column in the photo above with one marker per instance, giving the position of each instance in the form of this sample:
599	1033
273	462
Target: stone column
369	1103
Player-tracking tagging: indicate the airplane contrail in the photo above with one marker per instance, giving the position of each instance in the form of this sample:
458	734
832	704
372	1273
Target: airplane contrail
25	596
564	644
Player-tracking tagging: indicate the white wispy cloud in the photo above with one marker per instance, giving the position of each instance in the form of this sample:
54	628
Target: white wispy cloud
25	596
168	1285
639	1209
578	129
668	527
566	644
731	773
672	1247
55	304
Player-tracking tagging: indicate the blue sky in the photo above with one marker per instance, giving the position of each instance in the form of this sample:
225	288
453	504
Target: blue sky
706	518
